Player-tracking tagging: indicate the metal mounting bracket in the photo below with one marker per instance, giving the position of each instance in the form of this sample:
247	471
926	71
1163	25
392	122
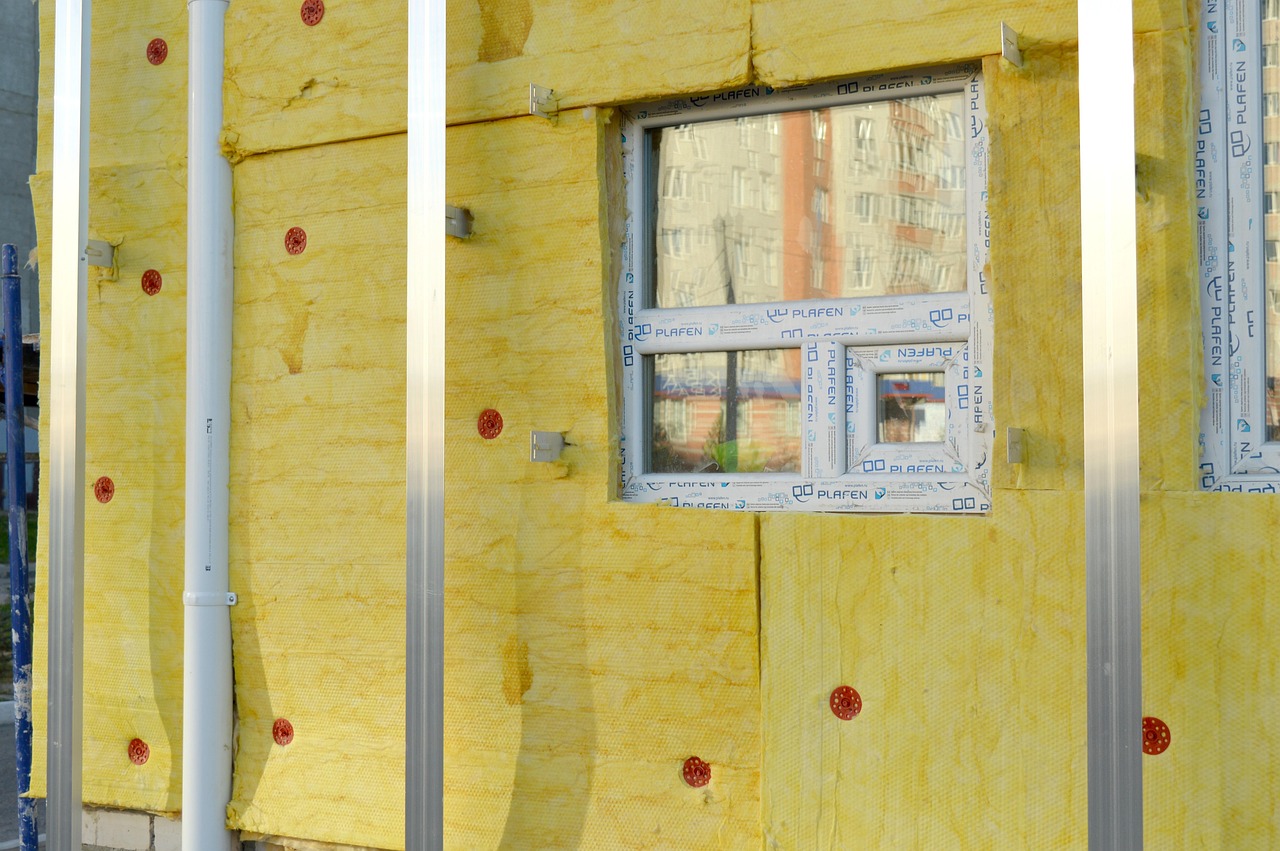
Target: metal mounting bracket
457	221
545	445
543	102
1009	44
1013	445
99	253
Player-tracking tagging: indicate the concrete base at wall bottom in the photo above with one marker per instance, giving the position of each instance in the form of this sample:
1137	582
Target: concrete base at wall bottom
126	830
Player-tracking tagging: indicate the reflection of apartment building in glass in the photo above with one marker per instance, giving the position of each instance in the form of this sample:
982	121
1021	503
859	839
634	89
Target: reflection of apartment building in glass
1271	204
691	417
852	201
911	408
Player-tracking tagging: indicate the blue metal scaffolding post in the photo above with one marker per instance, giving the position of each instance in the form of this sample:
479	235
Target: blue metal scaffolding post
19	595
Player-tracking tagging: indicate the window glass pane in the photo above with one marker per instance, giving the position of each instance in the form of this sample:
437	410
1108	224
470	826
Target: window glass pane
912	408
1271	211
726	412
857	200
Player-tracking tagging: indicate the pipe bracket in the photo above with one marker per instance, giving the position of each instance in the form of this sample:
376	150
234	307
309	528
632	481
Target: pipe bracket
209	598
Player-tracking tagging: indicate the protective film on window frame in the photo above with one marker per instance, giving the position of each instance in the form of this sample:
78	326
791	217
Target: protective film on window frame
804	315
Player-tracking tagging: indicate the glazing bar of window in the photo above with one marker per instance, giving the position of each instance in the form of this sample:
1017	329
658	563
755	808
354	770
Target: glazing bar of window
1109	306
68	333
424	661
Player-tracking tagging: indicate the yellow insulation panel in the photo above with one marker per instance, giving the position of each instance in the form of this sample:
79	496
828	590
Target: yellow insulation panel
1209	613
290	84
497	47
1035	267
287	84
317	493
798	41
135	408
590	51
965	638
1209	664
138	109
591	646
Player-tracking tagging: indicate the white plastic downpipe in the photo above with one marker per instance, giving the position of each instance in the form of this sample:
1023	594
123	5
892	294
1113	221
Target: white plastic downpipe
207	686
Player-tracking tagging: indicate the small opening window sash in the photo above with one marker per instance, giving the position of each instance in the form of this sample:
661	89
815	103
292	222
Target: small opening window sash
843	344
1231	166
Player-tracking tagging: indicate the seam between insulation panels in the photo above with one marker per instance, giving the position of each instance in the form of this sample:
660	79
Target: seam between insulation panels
237	155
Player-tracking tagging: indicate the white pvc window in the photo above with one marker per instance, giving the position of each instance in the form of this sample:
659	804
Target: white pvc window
825	343
1236	168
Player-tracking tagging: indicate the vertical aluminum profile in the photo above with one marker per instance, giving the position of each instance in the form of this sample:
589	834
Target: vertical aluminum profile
69	330
1110	319
424	526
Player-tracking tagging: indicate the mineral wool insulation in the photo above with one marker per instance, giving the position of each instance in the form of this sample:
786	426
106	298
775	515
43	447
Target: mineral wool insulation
594	645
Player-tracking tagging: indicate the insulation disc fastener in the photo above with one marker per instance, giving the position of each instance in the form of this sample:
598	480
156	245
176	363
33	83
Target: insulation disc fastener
1155	736
696	772
295	240
104	489
845	703
282	731
489	424
151	282
312	12
157	51
139	753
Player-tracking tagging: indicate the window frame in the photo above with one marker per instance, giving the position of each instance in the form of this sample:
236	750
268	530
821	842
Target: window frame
1232	300
890	333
